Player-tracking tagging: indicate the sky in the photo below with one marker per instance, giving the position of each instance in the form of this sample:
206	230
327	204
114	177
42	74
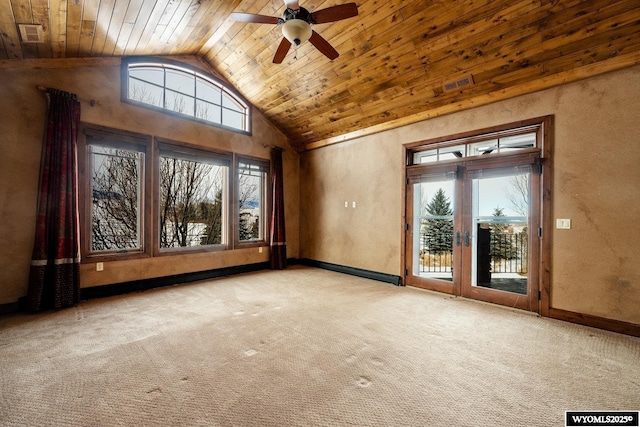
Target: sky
491	193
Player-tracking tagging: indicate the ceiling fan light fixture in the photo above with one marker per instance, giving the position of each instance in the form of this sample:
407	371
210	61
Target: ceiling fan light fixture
296	31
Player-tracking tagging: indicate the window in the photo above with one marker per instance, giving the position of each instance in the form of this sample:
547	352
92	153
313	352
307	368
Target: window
193	198
116	206
481	146
251	190
117	182
199	200
171	86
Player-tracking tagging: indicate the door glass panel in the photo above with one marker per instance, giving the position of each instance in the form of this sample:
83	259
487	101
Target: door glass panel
500	230
433	229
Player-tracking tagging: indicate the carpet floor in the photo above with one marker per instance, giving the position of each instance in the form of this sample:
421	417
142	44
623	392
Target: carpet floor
305	347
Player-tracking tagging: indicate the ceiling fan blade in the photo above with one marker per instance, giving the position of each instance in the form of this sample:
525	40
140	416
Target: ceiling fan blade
335	13
282	51
251	17
323	46
292	4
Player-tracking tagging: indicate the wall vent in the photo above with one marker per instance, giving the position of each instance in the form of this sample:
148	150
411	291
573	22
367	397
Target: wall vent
31	33
458	84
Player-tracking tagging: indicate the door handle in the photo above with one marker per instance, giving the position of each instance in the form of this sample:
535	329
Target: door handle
457	238
466	238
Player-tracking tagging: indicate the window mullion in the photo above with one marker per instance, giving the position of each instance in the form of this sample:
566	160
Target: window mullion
195	97
164	89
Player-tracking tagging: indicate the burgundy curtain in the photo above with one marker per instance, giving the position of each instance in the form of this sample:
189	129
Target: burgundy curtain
54	279
277	240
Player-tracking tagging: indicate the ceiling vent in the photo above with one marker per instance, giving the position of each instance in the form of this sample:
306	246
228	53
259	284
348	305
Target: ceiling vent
458	84
31	33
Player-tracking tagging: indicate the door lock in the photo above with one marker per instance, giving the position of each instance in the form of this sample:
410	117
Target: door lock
466	238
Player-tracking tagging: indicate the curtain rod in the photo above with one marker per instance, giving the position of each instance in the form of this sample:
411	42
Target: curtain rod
91	102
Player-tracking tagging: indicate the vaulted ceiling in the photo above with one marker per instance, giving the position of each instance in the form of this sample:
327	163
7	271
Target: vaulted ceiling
400	61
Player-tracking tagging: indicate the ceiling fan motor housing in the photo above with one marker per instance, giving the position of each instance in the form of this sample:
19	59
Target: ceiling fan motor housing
301	13
296	25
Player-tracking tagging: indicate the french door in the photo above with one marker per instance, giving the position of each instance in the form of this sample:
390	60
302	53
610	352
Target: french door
472	228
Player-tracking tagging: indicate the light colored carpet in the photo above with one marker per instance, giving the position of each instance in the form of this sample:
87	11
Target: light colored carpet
305	347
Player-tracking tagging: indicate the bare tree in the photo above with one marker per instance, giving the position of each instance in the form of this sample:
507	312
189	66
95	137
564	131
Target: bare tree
212	215
519	199
115	200
519	194
186	187
249	198
140	92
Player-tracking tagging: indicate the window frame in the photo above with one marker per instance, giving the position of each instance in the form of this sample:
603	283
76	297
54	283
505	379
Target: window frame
470	138
117	139
152	147
170	146
166	64
540	156
266	205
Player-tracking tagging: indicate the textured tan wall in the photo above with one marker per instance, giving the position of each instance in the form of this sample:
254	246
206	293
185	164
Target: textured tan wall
596	183
368	173
22	118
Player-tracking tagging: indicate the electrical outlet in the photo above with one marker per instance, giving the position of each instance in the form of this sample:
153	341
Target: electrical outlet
99	266
346	204
353	204
260	249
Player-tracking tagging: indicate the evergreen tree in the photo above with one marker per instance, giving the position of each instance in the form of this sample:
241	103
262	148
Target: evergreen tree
246	226
255	228
502	242
439	231
212	216
499	227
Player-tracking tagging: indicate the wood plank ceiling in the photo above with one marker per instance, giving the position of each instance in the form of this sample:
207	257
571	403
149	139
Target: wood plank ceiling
396	58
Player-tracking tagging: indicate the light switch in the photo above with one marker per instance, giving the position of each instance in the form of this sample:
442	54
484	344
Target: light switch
562	223
99	266
346	204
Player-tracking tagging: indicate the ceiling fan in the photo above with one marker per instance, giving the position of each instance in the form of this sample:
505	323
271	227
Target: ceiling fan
296	24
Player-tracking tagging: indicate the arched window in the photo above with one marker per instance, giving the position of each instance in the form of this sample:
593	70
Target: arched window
172	87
